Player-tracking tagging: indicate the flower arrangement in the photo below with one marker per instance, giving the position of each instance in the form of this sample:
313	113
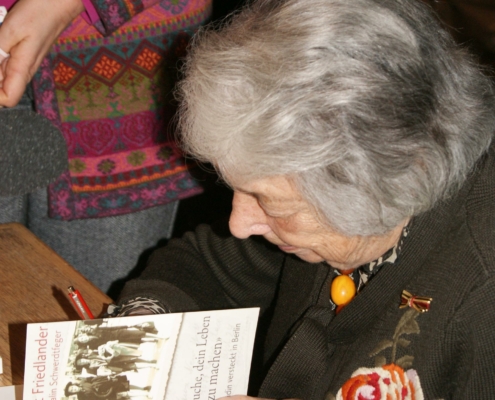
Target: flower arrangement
389	382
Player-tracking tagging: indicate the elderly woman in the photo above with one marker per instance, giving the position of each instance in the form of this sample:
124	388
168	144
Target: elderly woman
357	140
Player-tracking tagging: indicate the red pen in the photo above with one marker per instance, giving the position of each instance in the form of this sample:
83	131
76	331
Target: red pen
79	303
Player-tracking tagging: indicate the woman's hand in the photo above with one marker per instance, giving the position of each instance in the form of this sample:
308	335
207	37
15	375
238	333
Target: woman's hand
27	33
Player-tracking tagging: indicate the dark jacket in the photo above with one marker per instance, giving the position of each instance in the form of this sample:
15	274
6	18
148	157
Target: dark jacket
304	351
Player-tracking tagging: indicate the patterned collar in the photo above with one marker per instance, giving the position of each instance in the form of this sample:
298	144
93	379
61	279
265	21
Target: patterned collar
365	272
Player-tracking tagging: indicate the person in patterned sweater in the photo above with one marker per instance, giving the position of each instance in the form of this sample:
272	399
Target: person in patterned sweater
102	71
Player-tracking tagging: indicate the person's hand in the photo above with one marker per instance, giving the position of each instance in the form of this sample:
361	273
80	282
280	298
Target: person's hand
27	33
238	397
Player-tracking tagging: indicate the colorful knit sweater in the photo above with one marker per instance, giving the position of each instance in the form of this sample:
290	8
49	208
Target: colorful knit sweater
108	88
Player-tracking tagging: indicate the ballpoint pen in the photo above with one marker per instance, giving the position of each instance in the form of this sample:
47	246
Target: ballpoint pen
79	303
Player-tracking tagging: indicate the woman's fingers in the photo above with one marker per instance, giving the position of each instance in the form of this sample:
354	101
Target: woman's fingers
27	33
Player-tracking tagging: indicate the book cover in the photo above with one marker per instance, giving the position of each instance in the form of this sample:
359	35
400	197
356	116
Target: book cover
191	356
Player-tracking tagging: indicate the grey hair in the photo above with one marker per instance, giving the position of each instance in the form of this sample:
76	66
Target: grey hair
368	105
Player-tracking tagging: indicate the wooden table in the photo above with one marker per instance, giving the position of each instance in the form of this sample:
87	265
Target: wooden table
33	288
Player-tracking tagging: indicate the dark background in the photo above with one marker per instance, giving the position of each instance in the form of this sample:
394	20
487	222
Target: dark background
215	202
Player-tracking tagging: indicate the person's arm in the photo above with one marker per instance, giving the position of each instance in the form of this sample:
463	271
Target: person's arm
471	338
209	269
103	371
27	33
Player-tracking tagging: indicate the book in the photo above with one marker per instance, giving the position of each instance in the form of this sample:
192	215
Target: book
200	355
11	392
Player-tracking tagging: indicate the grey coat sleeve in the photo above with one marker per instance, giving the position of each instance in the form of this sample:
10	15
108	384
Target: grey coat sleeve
210	269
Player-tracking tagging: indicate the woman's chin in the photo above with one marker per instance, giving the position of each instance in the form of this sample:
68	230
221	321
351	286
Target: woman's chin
311	259
288	249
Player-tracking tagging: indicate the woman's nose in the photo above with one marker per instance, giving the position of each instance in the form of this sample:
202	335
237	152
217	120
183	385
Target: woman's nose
247	217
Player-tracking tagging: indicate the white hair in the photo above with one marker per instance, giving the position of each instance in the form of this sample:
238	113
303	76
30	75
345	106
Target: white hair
367	105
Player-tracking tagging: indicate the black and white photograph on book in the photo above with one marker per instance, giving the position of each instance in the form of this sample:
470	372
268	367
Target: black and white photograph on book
196	355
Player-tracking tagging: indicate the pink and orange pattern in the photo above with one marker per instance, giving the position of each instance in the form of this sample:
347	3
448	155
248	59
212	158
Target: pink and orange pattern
110	96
